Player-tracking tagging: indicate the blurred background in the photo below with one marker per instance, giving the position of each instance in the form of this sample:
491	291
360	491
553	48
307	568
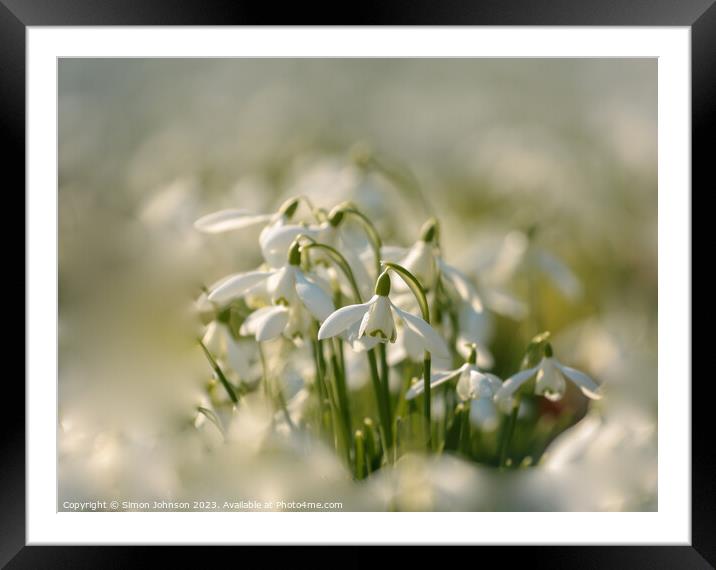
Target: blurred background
492	147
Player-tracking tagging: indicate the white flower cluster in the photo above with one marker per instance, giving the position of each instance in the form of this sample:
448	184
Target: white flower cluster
311	290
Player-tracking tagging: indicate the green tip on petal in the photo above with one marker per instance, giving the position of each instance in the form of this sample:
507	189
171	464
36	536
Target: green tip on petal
548	350
540	338
532	231
289	207
382	285
336	217
429	231
472	356
361	154
294	253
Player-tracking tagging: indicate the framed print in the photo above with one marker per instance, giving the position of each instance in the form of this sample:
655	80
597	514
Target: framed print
358	284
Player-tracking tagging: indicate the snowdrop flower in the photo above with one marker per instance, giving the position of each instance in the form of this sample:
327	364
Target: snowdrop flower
423	260
219	340
234	219
472	382
375	320
290	291
409	346
333	232
519	254
550	381
276	236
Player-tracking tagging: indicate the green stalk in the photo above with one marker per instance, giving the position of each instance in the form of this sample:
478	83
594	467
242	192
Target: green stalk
342	395
279	393
419	292
370	230
385	382
361	468
383	410
219	373
507	435
320	382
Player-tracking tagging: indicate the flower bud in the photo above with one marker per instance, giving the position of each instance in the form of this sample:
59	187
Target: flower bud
289	207
429	231
382	285
294	253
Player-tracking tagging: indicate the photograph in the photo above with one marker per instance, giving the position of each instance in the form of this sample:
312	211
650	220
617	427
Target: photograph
346	284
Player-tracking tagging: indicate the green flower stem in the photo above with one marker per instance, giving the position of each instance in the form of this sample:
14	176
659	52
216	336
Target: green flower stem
465	432
320	382
219	373
383	410
385	381
343	408
419	292
427	399
279	392
360	469
338	259
370	230
508	432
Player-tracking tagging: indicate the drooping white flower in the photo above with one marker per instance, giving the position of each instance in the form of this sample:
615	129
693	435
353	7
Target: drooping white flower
376	320
354	248
276	236
290	291
473	385
480	388
550	382
424	260
520	254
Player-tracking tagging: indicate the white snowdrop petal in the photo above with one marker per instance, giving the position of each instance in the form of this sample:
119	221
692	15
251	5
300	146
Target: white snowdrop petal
466	385
483	414
341	319
213	338
364	344
420	261
465	289
231	219
440	377
280	237
272	323
282	285
237	357
495	382
237	285
562	276
550	382
392	253
505	304
316	300
378	321
512	384
588	386
434	343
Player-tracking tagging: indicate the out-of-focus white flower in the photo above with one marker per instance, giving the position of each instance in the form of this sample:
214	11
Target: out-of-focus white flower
375	320
219	340
519	254
276	236
355	250
550	381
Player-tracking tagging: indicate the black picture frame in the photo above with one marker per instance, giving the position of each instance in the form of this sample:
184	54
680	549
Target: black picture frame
17	15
